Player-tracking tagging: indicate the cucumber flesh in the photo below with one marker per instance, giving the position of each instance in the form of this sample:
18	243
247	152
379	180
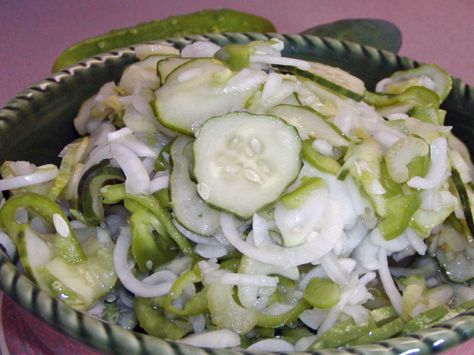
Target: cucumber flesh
334	79
78	285
245	161
310	124
90	279
166	66
429	76
189	209
194	92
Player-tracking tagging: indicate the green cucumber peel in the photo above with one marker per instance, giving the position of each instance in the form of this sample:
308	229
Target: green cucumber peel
93	179
464	199
333	87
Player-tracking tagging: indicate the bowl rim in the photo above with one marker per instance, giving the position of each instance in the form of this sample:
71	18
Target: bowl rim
106	337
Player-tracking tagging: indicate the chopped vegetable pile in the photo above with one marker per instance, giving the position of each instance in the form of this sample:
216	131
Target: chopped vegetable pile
233	197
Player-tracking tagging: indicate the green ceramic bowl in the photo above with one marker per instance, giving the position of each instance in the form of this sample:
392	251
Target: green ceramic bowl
40	119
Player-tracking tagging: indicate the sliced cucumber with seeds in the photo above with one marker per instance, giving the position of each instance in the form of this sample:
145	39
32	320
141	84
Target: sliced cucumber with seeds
245	161
310	124
401	154
166	66
429	76
336	80
194	92
78	285
189	209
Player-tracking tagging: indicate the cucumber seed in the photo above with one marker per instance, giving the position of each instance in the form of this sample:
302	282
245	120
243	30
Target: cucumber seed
256	145
251	175
203	190
60	225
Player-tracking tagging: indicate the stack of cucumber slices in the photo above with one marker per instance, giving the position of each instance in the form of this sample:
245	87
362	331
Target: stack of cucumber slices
234	197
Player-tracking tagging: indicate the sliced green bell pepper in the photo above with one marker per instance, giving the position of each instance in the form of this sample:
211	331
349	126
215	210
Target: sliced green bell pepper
66	247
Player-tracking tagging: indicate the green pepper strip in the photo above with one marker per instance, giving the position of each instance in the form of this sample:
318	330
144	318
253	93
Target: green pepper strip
298	196
413	96
196	304
67	248
236	56
115	193
426	318
318	160
399	211
152	320
145	247
276	321
341	334
386	331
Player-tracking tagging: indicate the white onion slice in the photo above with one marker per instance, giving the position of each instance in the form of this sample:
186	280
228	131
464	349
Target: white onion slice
139	288
42	174
159	183
121	133
137	180
271	345
438	170
200	49
244	80
388	283
416	242
313	317
160	277
216	339
270	59
210	251
196	238
316	246
261	237
304	343
239	279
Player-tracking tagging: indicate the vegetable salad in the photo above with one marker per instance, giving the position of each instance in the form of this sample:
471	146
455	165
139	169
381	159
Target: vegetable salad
231	197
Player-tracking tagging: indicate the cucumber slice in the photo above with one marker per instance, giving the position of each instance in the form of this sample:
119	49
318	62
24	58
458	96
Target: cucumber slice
34	252
189	209
245	161
429	76
166	66
400	154
91	279
194	92
88	190
78	285
310	123
336	80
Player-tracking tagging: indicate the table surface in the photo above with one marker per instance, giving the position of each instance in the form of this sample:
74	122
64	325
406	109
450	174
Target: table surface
34	32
